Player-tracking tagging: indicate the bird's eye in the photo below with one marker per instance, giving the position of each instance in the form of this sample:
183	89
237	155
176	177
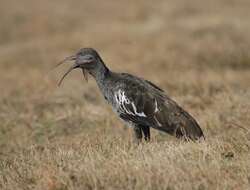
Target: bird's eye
91	58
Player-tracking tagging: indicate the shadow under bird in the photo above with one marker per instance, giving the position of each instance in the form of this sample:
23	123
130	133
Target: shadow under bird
138	102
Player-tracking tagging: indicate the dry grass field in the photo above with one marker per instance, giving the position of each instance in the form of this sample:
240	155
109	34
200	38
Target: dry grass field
67	138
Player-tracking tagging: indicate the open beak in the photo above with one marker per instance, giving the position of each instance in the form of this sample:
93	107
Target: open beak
70	69
76	65
70	58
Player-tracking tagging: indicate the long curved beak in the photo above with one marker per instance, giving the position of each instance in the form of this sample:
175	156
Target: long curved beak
70	58
70	69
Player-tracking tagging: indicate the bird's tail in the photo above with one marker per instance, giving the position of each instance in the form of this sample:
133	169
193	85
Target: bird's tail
191	129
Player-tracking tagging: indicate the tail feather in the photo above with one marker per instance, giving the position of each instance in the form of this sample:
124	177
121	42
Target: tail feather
190	129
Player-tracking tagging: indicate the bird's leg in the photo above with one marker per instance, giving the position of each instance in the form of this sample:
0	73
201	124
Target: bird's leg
146	132
137	134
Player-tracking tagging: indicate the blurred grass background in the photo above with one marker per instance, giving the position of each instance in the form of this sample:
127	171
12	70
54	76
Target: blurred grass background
68	138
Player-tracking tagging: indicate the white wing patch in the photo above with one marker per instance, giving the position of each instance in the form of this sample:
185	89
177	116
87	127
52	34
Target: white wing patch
157	110
156	106
158	123
122	101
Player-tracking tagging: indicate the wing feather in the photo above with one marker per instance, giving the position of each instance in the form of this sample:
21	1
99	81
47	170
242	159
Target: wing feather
142	102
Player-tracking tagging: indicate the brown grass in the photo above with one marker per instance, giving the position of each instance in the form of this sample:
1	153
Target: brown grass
68	138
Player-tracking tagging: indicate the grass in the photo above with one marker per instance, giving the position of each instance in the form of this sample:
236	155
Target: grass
68	138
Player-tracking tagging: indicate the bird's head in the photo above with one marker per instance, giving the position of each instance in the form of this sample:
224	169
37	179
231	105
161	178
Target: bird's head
86	59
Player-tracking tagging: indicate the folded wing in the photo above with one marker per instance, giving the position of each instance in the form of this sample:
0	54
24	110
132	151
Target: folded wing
144	103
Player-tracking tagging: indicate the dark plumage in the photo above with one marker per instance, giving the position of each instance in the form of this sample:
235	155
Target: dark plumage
138	102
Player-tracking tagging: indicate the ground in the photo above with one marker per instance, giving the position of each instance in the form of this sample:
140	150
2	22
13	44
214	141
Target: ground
67	138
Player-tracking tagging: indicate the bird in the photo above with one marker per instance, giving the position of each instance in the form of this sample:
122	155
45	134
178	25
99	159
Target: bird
138	102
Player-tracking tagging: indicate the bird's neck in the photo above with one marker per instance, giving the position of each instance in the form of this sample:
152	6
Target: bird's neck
100	74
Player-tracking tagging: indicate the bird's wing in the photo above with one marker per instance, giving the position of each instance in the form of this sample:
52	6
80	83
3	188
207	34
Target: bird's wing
134	105
150	106
141	106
